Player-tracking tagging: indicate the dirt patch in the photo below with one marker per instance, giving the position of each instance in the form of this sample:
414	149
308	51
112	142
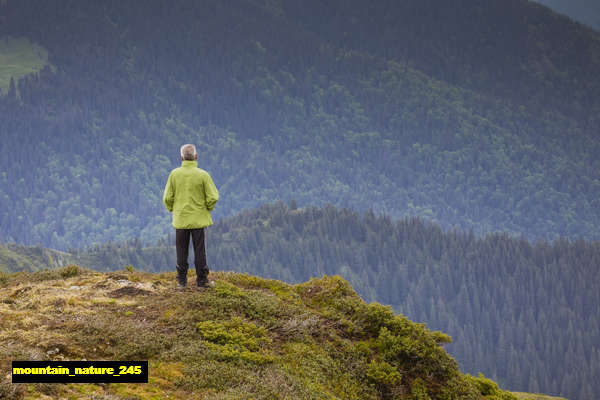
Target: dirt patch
128	291
117	276
105	284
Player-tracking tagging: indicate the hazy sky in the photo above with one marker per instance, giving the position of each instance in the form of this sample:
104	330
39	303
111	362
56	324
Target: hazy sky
585	11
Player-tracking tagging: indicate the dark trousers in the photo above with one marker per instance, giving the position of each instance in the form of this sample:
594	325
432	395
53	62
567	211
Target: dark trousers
182	243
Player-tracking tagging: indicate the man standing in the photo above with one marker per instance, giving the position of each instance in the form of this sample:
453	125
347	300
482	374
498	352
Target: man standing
190	195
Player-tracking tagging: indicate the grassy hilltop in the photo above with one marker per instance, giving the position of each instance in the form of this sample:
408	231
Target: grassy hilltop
246	338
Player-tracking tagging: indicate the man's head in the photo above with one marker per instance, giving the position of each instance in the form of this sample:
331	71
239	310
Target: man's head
188	152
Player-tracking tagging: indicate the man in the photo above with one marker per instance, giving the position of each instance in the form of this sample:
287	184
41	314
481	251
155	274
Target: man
190	195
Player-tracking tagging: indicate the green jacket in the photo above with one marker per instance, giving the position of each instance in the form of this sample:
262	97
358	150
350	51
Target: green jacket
190	195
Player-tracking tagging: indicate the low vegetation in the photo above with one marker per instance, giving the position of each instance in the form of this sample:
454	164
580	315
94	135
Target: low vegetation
536	396
246	338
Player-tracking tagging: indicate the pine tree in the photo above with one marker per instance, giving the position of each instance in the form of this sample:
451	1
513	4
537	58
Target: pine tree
12	90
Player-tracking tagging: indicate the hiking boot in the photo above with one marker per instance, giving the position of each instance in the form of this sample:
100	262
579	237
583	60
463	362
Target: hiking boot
181	278
205	285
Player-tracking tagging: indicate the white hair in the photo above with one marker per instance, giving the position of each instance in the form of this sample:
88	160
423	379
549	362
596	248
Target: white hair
188	152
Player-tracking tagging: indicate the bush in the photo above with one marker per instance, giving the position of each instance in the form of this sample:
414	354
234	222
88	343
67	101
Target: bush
51	274
489	389
374	316
416	352
384	376
227	299
244	335
70	271
418	390
235	340
441	337
3	278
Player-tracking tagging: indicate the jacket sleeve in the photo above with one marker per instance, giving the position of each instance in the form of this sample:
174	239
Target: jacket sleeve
169	194
211	193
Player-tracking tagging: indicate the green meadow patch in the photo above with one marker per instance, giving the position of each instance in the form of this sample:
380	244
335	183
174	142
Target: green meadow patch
536	396
19	57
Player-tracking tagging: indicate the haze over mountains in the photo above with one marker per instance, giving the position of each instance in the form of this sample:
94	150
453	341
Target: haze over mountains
584	11
478	117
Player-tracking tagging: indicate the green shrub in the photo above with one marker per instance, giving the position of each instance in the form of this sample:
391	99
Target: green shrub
486	386
325	291
70	271
229	352
384	376
441	337
227	299
417	352
225	289
235	340
51	274
489	389
374	316
459	386
281	289
418	390
245	335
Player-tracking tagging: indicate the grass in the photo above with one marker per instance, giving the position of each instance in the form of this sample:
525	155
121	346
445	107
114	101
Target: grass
246	338
536	396
19	57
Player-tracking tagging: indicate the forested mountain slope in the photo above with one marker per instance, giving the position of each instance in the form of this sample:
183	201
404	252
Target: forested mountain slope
247	338
476	115
527	315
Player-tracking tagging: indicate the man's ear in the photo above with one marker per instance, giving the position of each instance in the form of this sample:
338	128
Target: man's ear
196	157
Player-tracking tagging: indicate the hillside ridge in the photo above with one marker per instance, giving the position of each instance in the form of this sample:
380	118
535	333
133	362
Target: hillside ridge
15	257
247	338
